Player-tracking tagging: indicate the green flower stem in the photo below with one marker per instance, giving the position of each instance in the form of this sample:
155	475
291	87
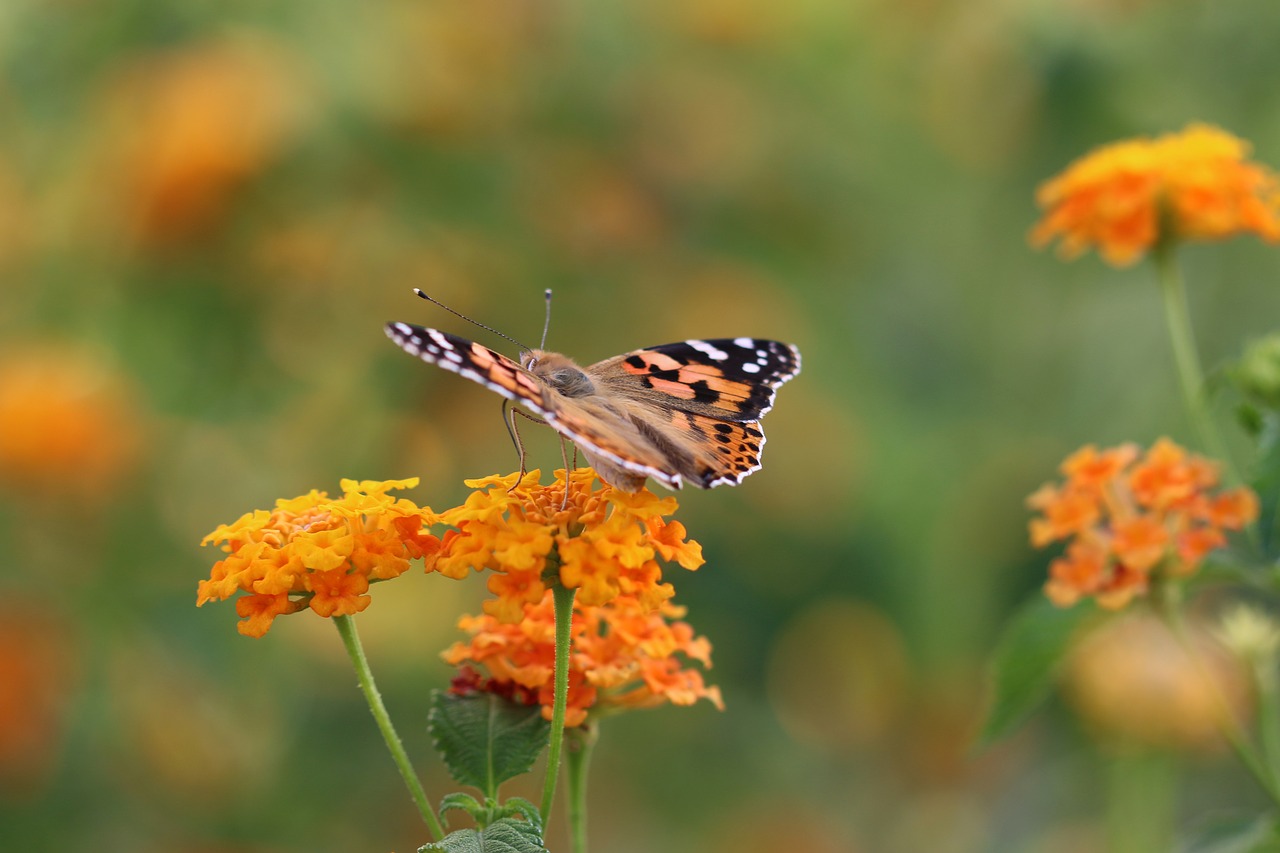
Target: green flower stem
347	628
1140	802
1264	681
563	598
582	741
1190	374
1228	724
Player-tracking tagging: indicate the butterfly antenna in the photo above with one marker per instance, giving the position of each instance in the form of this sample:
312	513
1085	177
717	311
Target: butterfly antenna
546	324
468	319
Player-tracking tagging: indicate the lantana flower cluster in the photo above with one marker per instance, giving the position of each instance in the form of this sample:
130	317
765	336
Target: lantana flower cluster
316	552
1129	196
1129	517
624	655
601	541
628	648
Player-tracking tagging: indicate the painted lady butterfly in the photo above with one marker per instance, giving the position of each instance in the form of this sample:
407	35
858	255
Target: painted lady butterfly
683	411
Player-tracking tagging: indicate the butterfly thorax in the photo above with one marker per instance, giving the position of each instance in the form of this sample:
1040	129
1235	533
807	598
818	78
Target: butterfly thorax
559	372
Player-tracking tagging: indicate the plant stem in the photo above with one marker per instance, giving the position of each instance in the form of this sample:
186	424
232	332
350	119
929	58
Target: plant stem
1264	681
1181	337
563	598
582	741
1228	724
1140	802
347	628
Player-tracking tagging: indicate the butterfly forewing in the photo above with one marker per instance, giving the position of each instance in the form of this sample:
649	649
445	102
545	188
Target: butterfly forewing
468	358
728	378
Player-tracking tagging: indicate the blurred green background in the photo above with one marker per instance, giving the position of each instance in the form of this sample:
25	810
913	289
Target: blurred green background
208	210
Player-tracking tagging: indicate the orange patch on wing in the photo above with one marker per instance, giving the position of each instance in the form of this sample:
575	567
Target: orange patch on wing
482	356
652	360
679	390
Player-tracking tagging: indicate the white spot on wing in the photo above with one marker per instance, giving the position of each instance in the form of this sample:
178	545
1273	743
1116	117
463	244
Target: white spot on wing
745	343
751	368
711	352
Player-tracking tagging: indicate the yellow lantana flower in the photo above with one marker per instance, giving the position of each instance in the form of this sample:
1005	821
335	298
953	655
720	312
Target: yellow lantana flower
601	541
311	551
1127	197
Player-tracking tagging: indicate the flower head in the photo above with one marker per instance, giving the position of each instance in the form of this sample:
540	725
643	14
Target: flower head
624	655
1134	682
314	552
68	423
1126	197
1253	636
1129	517
185	129
602	542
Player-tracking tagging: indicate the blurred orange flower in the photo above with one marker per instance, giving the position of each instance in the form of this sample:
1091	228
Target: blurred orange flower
1133	681
189	127
603	543
1129	196
67	422
1129	517
38	668
319	553
623	656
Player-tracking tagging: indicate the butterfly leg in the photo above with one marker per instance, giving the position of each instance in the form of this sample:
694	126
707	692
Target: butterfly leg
564	457
509	418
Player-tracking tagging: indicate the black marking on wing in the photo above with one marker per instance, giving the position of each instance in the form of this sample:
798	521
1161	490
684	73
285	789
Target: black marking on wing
473	361
759	365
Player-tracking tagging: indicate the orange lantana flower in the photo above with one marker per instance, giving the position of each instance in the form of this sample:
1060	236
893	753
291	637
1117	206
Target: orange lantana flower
68	423
1131	518
624	655
315	552
1126	197
601	541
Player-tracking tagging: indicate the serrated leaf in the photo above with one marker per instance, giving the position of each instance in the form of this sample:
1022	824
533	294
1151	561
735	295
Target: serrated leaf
1235	835
503	836
485	739
458	801
520	806
1027	660
1266	482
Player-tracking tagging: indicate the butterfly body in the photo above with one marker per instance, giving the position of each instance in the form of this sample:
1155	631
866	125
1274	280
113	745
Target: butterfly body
687	411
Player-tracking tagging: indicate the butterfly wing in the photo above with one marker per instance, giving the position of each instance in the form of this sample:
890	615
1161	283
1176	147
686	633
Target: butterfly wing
604	433
478	363
682	411
700	401
732	379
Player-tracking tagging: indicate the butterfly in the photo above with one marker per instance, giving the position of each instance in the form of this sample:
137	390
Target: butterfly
682	412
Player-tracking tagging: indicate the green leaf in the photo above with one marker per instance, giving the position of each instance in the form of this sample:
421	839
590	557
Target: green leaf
1266	482
458	801
1236	835
519	806
485	739
1027	661
504	836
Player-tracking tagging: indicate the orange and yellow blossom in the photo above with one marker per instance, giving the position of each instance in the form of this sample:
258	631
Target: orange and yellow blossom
602	542
1130	516
311	551
624	655
1127	197
69	424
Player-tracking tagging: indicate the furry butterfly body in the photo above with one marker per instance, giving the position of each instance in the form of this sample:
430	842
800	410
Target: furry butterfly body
682	412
